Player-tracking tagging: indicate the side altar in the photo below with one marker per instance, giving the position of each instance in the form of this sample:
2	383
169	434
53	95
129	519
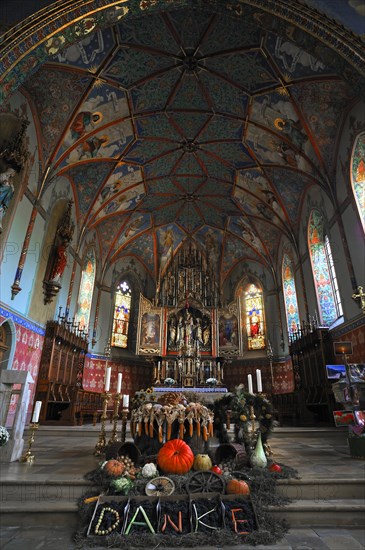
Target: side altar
185	332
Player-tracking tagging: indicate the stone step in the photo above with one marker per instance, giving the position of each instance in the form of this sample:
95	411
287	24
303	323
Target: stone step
326	513
41	495
318	489
302	513
88	430
49	492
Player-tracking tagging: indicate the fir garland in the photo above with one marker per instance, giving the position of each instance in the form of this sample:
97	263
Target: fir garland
241	403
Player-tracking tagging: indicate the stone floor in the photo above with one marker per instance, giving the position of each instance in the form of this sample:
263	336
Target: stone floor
63	456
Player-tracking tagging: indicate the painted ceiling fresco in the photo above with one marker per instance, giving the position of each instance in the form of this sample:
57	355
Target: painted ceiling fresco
189	125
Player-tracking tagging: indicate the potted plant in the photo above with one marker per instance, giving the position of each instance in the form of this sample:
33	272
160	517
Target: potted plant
4	436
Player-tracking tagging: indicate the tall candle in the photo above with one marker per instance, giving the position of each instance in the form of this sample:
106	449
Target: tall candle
259	381
36	412
108	372
250	386
119	385
125	401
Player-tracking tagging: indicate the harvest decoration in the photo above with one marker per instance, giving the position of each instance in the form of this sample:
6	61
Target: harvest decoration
241	404
175	457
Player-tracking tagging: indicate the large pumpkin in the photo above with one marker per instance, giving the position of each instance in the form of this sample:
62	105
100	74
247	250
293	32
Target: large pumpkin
237	487
202	462
175	457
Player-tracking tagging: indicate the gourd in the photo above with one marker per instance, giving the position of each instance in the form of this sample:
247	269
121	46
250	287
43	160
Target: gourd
202	462
175	457
237	487
114	468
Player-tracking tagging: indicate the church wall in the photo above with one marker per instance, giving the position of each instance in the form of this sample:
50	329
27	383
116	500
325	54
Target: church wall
354	233
12	251
28	350
136	376
281	374
353	332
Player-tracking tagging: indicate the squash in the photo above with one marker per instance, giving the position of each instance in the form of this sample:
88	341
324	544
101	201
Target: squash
175	457
237	487
202	462
114	468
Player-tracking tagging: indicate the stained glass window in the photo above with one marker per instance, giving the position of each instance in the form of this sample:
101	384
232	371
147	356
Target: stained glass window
254	320
122	308
324	273
358	175
290	295
86	291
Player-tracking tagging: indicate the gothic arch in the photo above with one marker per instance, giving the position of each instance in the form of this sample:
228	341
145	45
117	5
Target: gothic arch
7	343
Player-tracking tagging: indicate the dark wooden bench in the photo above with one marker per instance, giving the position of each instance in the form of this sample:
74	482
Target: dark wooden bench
95	414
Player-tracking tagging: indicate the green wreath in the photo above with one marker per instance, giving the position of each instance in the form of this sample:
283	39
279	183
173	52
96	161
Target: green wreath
242	404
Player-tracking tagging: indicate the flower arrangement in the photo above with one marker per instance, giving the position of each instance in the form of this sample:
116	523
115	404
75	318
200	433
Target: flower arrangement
4	436
143	396
211	381
169	381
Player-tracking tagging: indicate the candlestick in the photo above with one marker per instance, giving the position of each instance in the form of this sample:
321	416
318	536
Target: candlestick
108	372
119	385
124	421
28	457
250	386
36	412
101	444
114	435
259	381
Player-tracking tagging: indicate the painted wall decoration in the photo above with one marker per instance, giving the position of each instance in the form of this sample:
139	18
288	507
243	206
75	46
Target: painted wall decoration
290	295
321	269
28	343
323	104
149	337
88	180
50	88
89	52
108	143
169	238
358	175
135	376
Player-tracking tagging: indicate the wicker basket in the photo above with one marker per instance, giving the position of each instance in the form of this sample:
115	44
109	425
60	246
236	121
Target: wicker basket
229	451
127	449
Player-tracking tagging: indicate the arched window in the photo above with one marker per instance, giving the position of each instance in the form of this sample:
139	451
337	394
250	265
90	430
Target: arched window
86	290
358	175
324	273
290	295
122	308
254	317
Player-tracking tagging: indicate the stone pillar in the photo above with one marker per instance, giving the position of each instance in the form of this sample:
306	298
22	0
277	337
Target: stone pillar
8	378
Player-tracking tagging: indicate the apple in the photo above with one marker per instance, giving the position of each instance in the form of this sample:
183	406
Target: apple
216	469
274	467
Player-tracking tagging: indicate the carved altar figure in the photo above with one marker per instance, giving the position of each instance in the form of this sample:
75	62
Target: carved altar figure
6	191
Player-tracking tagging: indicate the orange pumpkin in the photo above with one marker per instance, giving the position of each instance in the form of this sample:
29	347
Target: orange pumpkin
237	487
175	457
114	468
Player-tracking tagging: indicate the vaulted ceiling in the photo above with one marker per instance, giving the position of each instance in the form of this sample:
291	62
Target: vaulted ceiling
194	124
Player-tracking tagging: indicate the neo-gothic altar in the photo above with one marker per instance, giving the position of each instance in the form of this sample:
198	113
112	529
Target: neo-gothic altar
185	331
